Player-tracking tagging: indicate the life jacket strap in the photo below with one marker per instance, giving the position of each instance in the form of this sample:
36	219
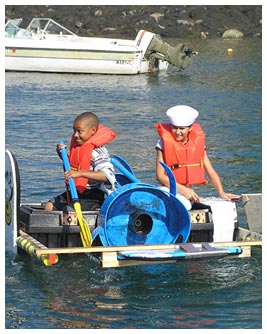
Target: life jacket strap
175	166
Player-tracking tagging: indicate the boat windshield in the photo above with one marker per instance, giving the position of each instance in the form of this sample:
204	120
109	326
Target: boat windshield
12	27
49	26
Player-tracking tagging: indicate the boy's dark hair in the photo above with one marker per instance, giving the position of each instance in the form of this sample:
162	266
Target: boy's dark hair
89	117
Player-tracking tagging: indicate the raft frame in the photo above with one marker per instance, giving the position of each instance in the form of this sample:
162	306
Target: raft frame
108	256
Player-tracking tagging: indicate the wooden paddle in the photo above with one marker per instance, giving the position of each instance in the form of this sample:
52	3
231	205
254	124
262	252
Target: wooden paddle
85	232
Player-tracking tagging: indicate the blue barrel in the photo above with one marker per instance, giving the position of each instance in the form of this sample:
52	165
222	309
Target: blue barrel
142	214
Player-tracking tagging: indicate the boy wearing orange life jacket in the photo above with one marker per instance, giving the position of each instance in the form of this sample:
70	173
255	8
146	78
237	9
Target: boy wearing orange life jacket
91	170
182	147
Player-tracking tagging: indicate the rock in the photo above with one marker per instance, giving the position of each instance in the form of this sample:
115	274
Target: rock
257	34
78	24
110	29
185	22
98	12
156	16
203	35
232	33
179	21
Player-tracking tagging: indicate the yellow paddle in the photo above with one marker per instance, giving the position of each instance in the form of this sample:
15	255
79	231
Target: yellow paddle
85	232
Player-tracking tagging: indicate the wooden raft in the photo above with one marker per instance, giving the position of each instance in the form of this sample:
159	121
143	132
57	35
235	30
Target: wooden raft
117	256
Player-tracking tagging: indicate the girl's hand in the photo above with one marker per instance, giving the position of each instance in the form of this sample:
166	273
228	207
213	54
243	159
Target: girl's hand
189	194
229	197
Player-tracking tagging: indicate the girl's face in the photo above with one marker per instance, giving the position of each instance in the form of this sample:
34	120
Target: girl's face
82	132
180	133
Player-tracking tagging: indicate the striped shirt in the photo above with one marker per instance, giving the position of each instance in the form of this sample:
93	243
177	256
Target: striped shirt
100	160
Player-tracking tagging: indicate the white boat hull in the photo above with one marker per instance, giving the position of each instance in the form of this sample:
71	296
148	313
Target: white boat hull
64	52
93	66
61	56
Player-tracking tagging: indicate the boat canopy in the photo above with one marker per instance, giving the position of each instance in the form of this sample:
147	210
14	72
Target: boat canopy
48	26
37	26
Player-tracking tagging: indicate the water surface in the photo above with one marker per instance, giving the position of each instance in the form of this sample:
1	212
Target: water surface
77	293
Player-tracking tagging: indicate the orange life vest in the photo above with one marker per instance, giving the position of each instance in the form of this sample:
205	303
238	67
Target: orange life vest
80	155
185	160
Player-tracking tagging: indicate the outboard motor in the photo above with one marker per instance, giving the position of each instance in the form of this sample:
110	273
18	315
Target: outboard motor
179	56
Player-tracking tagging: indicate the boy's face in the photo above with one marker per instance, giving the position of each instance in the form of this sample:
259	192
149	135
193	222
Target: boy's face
180	133
82	132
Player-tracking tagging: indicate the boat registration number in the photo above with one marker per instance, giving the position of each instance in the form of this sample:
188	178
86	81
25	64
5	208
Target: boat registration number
124	62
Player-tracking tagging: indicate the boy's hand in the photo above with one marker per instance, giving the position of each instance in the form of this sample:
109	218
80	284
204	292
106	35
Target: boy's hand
59	148
72	173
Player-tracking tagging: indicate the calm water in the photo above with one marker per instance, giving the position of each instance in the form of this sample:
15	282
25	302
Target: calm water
77	293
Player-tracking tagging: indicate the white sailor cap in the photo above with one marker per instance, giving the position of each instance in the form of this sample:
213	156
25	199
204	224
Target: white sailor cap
182	115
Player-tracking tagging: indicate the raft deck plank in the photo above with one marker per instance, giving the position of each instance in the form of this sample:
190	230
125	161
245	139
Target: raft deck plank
114	256
101	249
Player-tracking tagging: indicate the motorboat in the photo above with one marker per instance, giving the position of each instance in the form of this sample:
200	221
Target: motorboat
47	46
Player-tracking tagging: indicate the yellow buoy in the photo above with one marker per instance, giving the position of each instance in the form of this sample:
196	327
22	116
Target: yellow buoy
229	51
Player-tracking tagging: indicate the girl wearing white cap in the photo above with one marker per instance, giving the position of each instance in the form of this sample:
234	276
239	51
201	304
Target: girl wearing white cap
182	147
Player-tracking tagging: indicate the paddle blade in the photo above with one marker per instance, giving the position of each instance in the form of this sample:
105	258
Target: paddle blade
85	232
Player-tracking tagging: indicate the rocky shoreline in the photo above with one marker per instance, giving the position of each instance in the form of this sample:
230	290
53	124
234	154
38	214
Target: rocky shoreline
187	21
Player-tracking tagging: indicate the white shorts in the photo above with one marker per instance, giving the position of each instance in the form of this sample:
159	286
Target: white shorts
180	197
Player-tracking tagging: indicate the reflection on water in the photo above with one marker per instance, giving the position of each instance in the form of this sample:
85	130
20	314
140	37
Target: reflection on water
194	294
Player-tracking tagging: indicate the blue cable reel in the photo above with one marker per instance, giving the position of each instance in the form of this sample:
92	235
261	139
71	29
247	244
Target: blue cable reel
141	214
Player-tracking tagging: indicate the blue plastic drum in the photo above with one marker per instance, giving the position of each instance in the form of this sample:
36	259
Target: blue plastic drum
141	214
